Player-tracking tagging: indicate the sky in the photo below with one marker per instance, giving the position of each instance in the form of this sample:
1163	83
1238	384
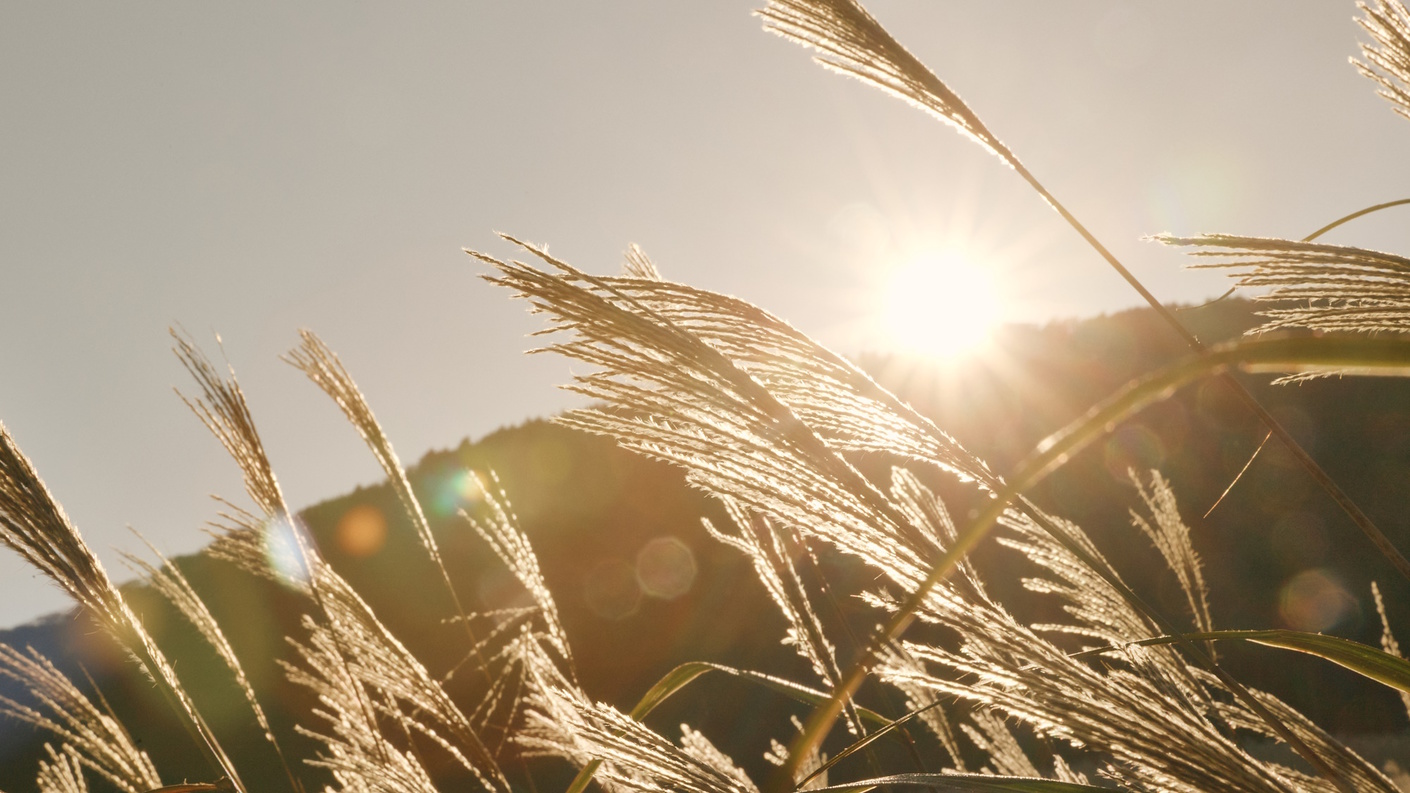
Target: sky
255	168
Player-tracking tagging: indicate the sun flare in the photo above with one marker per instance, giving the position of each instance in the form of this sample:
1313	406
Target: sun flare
940	306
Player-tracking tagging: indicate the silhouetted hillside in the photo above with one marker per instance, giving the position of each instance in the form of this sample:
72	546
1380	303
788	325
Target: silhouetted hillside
1277	551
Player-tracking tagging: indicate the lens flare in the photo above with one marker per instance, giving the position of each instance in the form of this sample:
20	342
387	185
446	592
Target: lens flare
665	568
1314	600
362	531
611	590
282	549
454	493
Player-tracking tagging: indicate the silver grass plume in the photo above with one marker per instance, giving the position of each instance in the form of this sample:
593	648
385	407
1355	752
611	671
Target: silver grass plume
238	536
1337	287
222	408
754	537
244	538
1034	682
673	387
695	744
636	264
702	418
1098	610
91	737
993	737
935	529
356	667
1171	537
34	525
1016	672
812	766
1388	642
1001	664
836	399
355	664
1388	59
61	773
1350	766
498	526
561	722
355	750
537	653
906	670
318	361
742	421
351	651
852	42
172	584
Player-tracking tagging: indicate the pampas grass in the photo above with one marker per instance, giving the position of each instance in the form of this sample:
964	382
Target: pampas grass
775	428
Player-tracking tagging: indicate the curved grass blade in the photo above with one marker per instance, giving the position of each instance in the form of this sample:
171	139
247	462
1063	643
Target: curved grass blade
1362	354
1363	659
864	742
1354	355
1354	215
966	782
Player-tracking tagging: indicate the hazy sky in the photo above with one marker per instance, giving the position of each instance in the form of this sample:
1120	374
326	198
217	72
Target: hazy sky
256	167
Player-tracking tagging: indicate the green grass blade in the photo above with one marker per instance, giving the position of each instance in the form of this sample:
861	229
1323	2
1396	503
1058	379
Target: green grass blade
1363	659
1353	354
983	783
674	681
865	741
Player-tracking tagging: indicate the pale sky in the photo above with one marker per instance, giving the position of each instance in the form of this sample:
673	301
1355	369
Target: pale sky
249	169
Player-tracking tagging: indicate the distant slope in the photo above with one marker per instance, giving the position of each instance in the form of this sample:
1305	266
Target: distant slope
590	508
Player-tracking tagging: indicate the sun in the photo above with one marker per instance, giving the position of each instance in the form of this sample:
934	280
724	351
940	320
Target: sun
940	305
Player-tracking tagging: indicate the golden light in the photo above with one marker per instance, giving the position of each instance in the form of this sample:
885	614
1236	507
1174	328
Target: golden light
362	530
940	306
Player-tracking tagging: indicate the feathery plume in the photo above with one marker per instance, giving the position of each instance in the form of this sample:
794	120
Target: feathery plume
1337	287
1388	642
222	408
498	526
61	773
355	750
34	525
636	264
351	659
852	42
701	397
634	758
1171	537
91	737
773	565
1388	58
318	361
997	741
172	584
811	769
1001	664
